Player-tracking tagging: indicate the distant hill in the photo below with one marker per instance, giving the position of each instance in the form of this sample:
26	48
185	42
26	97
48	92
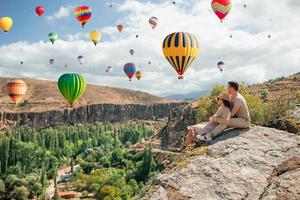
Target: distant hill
291	82
44	95
188	96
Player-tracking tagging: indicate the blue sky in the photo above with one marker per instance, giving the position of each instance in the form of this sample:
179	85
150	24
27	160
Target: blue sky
249	55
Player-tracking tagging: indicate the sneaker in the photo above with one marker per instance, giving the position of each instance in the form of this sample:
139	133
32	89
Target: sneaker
206	137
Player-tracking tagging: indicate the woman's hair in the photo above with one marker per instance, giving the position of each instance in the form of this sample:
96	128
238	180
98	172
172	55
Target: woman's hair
227	104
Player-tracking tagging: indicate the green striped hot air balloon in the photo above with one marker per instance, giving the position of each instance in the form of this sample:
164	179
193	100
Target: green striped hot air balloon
71	86
53	37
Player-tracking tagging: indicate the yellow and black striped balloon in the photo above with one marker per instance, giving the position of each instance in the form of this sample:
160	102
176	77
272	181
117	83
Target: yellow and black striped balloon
180	49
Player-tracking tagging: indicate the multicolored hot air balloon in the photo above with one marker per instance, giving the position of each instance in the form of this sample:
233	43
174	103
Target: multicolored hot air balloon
153	22
71	86
120	27
138	75
80	59
129	70
51	61
95	37
180	49
6	23
109	69
83	14
221	66
16	89
131	51
221	8
39	10
53	37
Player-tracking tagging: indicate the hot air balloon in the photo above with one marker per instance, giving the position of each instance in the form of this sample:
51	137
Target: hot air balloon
129	70
16	89
120	27
83	14
153	22
21	62
131	51
80	59
53	37
149	62
221	8
66	65
71	86
109	69
6	23
39	10
137	36
180	49
221	66
51	61
138	75
95	37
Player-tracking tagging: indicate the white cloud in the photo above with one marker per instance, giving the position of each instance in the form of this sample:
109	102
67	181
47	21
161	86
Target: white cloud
61	13
249	56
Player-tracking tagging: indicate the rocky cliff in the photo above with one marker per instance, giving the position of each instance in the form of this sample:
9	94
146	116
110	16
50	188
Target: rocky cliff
92	113
259	163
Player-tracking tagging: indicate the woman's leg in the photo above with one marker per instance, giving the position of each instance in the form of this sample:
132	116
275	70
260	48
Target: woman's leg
189	137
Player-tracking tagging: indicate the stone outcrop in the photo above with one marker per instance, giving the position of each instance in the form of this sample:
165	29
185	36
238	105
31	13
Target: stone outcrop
255	164
92	113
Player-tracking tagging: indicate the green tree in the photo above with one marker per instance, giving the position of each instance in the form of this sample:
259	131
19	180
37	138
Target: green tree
20	193
2	188
87	167
108	192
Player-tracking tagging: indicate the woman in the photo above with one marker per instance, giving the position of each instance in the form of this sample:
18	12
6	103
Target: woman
207	131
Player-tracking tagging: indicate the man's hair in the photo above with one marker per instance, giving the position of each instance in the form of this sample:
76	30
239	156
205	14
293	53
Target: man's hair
234	85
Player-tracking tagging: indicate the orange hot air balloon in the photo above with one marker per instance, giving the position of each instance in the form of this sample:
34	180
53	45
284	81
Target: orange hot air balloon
120	27
16	89
6	23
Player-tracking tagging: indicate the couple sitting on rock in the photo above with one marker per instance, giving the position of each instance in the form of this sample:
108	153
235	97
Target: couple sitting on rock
237	117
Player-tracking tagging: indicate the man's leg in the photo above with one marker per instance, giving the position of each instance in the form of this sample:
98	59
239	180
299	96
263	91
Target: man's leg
238	123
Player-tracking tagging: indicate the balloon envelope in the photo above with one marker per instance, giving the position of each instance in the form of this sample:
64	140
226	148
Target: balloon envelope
221	65
180	49
131	51
39	10
16	89
153	22
80	59
138	75
221	8
95	37
109	69
129	70
6	23
53	37
120	27
71	86
51	61
83	14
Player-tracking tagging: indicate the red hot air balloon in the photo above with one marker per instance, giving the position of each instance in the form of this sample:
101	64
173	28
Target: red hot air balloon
83	14
221	8
39	10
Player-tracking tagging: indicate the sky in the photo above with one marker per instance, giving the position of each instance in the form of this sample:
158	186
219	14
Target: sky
250	55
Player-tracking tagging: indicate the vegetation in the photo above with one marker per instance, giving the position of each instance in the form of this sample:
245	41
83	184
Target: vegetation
29	158
266	108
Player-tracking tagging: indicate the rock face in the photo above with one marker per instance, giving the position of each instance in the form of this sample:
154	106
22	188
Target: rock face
92	113
173	134
259	163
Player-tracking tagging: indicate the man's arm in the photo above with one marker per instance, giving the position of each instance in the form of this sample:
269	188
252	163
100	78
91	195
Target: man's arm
234	110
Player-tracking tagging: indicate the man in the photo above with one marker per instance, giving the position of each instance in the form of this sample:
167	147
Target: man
239	115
